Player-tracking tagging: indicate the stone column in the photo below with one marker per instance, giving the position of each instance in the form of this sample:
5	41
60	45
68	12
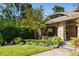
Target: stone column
77	30
62	30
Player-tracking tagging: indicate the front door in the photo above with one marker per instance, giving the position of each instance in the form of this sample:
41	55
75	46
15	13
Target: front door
71	31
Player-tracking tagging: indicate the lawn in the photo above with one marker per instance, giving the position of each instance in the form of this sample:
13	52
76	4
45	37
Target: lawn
22	50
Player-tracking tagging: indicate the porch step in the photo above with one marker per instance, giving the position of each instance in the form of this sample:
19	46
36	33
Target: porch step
68	46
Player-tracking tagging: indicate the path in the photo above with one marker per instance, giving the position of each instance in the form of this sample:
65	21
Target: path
55	52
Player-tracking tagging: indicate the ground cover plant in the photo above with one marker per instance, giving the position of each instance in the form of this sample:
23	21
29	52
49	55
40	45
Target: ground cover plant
75	53
22	50
51	41
55	41
74	40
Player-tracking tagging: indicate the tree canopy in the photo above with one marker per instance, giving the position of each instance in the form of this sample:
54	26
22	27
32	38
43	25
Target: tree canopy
58	9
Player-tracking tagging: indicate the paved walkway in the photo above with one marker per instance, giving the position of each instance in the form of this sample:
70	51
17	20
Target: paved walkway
55	52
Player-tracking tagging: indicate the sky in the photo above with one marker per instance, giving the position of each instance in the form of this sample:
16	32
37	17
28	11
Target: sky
48	7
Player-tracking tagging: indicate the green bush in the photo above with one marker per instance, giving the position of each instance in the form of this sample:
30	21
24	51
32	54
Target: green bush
17	40
75	53
6	43
21	43
74	40
36	42
41	44
11	42
51	41
1	40
55	40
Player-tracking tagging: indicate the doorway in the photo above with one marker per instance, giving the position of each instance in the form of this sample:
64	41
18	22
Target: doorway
71	31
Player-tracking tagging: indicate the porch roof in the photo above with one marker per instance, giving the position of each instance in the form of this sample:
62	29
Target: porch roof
67	16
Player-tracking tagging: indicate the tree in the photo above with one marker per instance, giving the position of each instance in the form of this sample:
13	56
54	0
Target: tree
40	21
34	20
58	8
77	7
77	10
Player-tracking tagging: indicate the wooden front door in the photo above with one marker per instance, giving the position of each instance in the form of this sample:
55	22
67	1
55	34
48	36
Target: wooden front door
71	31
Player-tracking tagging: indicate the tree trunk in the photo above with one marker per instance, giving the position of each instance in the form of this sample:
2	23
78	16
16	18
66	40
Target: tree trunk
39	33
35	34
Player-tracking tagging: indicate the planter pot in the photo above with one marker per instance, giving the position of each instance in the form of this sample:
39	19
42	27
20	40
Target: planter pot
77	45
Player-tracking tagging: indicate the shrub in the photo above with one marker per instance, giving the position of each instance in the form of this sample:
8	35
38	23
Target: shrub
36	42
41	44
55	40
11	42
75	53
27	43
1	40
21	43
6	43
74	40
17	40
49	42
30	43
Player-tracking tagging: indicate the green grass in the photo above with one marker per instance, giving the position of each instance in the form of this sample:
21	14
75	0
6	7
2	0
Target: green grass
22	50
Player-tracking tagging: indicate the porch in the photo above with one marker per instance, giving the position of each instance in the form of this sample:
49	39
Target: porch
65	26
65	30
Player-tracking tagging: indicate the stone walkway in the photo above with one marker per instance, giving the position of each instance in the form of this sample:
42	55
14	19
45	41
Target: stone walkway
55	52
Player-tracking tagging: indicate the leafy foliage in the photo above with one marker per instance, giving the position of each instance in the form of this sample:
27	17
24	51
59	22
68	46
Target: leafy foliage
75	53
74	40
36	42
55	40
58	8
1	40
20	20
18	40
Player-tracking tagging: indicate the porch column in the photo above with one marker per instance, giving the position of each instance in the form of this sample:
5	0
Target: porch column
77	30
62	30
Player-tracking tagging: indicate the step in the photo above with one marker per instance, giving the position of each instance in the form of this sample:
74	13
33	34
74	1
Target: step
68	47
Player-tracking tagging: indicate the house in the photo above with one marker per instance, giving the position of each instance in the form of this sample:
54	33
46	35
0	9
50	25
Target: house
64	25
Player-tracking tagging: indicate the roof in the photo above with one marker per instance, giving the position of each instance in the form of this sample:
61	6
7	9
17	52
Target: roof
67	16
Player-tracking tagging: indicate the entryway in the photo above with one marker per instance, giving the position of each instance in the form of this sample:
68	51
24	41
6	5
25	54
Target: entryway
71	31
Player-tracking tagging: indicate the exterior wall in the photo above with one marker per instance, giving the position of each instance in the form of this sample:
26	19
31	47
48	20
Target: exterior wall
62	30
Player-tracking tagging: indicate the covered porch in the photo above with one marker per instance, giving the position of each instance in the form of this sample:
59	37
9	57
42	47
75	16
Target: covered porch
64	26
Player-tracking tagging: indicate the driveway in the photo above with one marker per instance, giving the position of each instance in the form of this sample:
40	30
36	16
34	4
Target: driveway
55	52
